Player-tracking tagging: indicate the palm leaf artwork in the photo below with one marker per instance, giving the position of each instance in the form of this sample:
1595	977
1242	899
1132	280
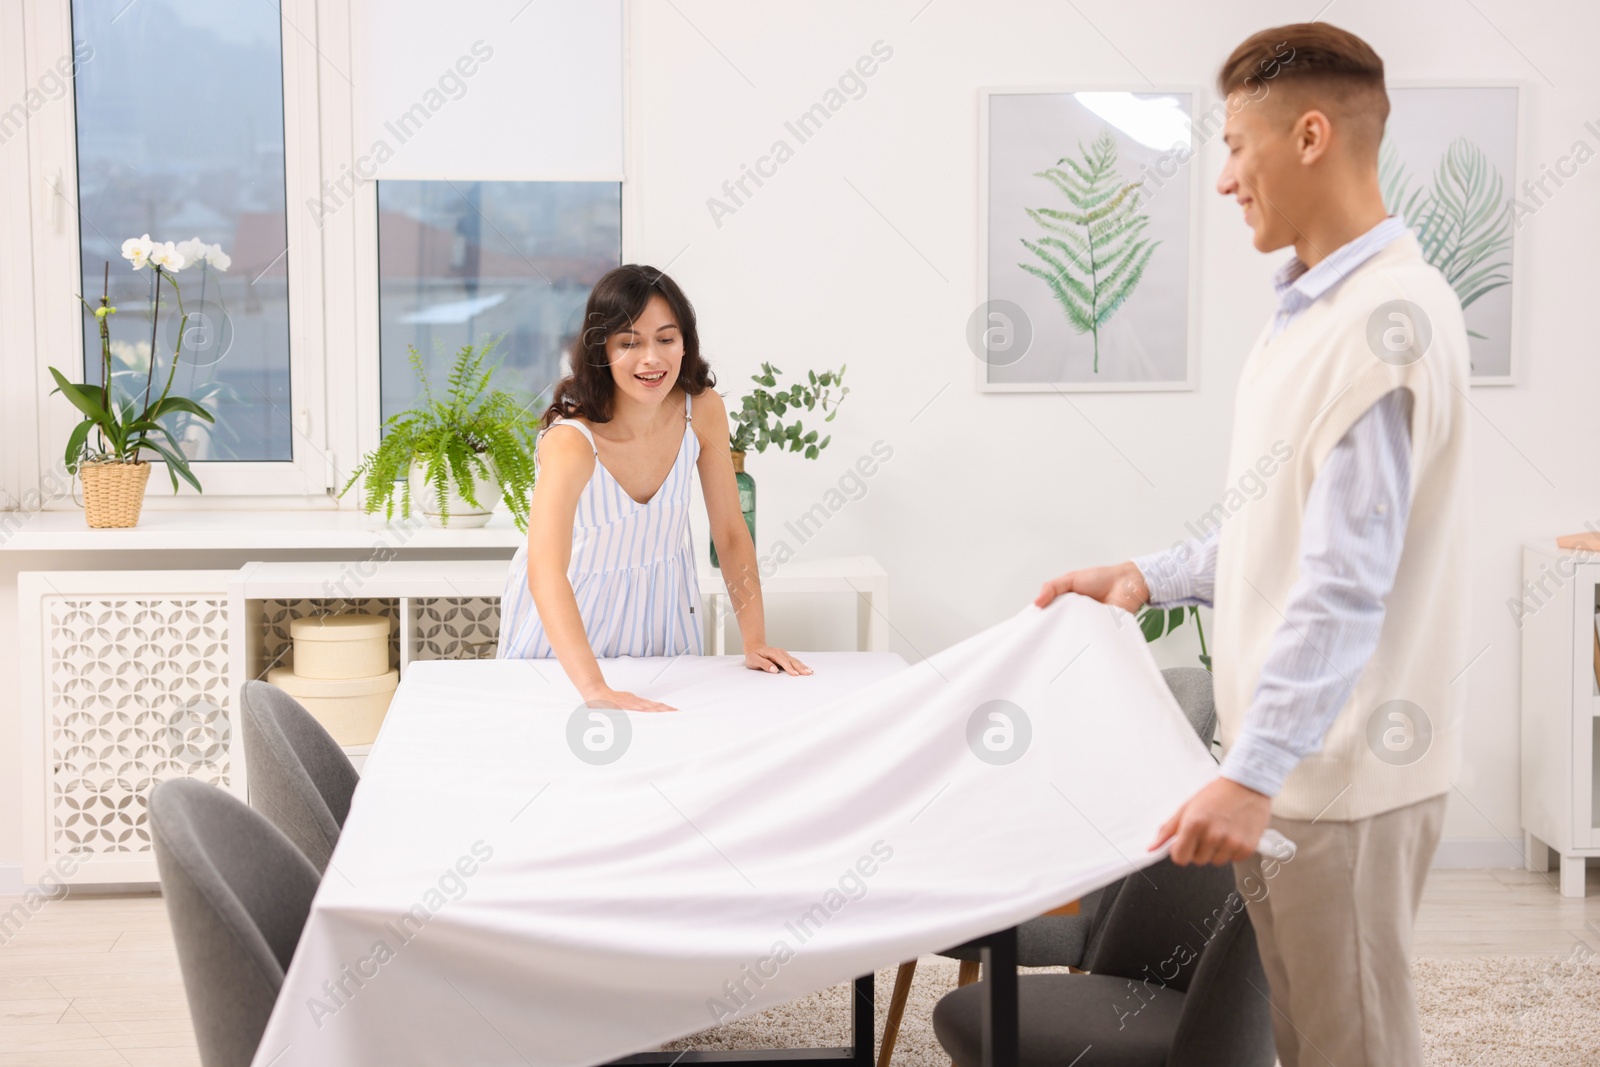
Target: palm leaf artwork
1463	222
1093	252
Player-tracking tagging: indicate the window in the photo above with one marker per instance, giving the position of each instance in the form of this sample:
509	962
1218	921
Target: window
180	134
265	128
463	262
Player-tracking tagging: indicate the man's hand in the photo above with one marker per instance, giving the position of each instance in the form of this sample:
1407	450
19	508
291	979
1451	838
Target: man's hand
1222	823
1121	586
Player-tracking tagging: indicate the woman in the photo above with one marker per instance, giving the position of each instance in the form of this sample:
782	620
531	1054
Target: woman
608	569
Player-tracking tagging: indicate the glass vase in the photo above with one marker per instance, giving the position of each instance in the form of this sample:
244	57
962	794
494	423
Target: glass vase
747	501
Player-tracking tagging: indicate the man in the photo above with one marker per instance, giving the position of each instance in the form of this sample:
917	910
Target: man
1339	593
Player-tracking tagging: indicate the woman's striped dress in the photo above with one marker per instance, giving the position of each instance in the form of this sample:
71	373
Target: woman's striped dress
632	570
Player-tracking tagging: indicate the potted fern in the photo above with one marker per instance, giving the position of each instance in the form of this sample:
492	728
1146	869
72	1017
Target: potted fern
452	455
121	422
759	423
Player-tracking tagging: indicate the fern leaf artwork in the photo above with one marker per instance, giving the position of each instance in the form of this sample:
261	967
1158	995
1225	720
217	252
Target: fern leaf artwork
1093	252
1463	221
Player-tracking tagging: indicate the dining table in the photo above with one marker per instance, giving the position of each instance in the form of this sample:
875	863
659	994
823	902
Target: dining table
524	878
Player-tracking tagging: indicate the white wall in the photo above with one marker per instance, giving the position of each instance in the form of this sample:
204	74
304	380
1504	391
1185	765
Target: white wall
986	495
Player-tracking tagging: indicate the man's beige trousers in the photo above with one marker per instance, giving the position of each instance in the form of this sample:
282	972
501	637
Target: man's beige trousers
1334	926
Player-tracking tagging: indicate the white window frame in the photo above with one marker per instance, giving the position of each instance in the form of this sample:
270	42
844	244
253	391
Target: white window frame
52	169
333	267
363	433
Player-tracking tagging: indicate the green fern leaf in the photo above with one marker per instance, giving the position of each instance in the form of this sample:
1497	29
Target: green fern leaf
1094	255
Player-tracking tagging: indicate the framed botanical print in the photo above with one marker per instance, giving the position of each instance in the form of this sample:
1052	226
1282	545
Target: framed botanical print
1087	240
1448	164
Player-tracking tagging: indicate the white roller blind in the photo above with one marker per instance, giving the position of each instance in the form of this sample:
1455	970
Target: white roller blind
505	90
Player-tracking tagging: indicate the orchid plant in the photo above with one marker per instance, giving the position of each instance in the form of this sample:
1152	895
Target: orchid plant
123	427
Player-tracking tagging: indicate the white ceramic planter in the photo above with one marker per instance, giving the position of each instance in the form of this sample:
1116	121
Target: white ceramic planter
462	514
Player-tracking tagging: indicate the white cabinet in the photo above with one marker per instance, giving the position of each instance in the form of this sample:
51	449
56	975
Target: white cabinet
132	676
127	681
1560	710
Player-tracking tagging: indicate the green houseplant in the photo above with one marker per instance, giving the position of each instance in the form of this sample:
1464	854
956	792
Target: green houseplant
758	423
453	452
121	421
1156	623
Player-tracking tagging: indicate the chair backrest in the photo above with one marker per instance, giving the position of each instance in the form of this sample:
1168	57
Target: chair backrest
1226	1015
1192	687
238	893
1157	926
298	775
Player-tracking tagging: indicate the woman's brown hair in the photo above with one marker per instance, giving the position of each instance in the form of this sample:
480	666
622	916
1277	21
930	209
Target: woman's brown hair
615	303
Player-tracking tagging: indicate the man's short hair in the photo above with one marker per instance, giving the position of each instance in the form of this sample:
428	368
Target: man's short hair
1314	65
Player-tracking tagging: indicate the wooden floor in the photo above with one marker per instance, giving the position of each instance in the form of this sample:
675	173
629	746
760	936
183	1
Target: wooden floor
93	980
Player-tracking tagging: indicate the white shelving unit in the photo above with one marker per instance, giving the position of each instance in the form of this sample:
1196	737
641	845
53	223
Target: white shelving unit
445	609
127	676
860	577
451	609
1560	711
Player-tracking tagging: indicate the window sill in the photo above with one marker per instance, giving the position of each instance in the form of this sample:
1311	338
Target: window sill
65	531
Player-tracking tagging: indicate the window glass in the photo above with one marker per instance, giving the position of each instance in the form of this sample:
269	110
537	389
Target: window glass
180	136
464	263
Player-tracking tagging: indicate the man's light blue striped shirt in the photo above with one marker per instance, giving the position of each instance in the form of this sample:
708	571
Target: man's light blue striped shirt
1351	540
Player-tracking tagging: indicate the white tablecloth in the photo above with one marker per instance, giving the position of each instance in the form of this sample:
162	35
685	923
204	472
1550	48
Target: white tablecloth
496	899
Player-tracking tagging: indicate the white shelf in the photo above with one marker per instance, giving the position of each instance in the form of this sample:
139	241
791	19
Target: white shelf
65	531
394	578
1560	711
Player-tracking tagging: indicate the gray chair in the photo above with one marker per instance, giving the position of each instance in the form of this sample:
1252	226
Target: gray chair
1192	686
238	893
1064	940
298	775
1176	981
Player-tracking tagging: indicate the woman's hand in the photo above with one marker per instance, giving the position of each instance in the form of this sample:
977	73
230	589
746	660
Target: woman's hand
772	660
606	697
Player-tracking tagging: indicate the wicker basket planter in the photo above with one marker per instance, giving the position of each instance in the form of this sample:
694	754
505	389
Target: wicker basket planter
113	493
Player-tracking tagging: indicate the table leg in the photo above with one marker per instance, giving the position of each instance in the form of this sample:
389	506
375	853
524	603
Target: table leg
999	997
859	1054
863	1014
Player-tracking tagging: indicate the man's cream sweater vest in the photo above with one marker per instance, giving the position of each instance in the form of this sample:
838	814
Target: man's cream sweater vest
1397	740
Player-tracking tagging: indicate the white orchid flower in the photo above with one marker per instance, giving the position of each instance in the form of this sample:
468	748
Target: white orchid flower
167	256
136	250
193	250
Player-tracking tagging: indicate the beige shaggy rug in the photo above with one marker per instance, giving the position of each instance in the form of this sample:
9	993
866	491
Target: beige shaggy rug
1504	1012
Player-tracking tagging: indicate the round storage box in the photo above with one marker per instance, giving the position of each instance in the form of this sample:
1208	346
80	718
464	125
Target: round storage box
340	646
351	709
